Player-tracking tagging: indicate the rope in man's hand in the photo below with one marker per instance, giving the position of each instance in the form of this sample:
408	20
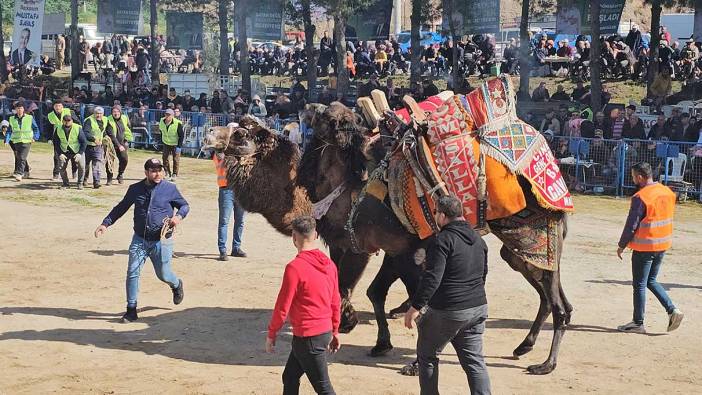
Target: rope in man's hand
169	226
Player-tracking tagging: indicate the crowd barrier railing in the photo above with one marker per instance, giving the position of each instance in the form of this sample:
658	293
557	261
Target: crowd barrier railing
595	165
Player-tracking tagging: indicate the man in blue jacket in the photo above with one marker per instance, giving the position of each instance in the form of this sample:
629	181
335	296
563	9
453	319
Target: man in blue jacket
154	200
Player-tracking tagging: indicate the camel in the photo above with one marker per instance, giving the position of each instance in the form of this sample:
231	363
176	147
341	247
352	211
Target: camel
337	156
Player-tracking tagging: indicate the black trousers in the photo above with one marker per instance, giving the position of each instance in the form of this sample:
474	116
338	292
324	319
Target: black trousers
123	158
21	151
308	356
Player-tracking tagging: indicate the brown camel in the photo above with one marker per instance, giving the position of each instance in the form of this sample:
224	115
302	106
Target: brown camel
336	157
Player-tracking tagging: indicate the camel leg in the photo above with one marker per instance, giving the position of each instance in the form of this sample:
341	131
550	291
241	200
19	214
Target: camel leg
350	267
377	293
544	306
551	281
566	304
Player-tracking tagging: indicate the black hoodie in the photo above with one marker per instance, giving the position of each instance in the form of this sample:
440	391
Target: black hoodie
456	268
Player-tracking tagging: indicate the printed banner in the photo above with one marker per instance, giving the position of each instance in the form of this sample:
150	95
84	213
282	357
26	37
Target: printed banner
265	21
371	23
184	30
573	16
119	16
26	36
472	16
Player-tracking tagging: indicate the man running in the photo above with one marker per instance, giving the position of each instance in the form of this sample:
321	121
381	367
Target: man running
154	201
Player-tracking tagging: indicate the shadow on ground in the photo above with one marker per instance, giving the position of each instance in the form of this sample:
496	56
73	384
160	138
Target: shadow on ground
667	286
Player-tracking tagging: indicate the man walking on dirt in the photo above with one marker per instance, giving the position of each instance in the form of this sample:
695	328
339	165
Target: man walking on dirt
172	137
23	131
649	233
119	131
154	201
69	146
227	205
453	288
310	294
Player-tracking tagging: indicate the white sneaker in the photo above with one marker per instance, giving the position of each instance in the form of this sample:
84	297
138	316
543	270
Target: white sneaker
674	320
632	327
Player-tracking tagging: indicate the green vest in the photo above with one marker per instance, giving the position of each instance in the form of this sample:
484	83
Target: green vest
169	134
72	140
56	121
95	128
21	134
127	132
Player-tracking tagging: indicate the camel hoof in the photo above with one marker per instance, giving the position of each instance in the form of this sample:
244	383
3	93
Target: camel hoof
380	349
544	368
399	310
411	369
567	318
348	324
521	350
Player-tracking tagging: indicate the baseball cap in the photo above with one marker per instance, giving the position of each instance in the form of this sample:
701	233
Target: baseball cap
153	163
170	112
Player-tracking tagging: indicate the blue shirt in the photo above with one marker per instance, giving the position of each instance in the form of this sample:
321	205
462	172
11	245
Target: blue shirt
35	129
152	204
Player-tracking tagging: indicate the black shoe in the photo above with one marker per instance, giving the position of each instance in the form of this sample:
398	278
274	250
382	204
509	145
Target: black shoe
120	179
109	182
238	253
223	256
130	315
178	293
96	186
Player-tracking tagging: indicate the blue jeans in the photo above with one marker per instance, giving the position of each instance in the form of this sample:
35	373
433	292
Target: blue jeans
644	268
227	204
160	252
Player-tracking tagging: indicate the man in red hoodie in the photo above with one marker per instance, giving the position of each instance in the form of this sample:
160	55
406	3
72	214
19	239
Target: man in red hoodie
310	297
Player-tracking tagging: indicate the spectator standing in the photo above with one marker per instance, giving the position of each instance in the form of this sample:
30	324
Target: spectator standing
579	92
23	131
227	206
604	124
154	201
453	288
649	233
309	295
60	51
429	88
120	133
202	101
69	145
94	130
172	135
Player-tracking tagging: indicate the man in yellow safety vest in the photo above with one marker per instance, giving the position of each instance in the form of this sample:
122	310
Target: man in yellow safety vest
120	133
649	233
22	132
69	145
55	118
172	137
94	130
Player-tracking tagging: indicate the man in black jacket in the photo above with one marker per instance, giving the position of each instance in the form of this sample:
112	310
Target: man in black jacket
453	288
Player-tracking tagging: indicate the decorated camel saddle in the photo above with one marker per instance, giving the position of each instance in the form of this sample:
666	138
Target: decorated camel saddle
476	148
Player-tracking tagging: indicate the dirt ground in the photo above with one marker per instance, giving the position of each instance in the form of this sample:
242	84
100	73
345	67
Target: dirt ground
62	292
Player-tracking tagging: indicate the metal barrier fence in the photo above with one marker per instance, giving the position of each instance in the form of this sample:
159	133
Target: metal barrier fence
604	166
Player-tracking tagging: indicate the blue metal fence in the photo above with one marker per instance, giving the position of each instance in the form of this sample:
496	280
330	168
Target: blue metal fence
603	166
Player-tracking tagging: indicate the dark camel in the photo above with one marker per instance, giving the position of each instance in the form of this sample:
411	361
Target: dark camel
337	156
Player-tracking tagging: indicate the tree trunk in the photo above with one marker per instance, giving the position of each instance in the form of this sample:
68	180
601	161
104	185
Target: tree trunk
595	49
76	67
154	53
3	61
697	31
525	51
244	47
342	73
455	74
311	52
656	10
416	55
223	15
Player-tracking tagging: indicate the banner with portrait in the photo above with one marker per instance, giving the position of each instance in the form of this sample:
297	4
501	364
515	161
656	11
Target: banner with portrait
370	23
183	30
471	16
26	36
119	17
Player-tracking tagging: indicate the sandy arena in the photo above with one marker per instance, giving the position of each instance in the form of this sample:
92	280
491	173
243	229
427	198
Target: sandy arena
62	293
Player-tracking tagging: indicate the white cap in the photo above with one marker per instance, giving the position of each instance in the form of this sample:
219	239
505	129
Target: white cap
99	110
4	123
